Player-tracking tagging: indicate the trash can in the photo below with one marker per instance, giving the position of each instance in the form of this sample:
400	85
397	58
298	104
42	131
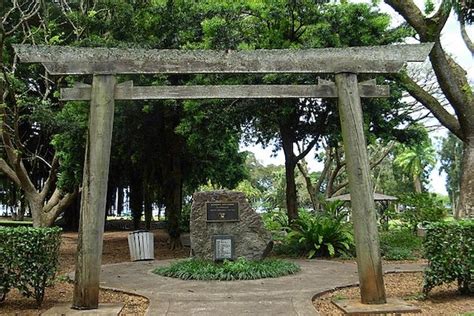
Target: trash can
141	246
420	230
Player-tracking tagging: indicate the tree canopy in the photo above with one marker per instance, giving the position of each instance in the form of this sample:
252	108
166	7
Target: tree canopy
163	150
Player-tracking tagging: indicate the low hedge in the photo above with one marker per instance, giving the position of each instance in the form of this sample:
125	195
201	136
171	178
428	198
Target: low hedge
449	248
16	223
28	260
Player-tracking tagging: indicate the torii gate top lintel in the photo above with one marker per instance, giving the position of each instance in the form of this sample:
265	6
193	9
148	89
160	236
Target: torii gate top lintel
63	60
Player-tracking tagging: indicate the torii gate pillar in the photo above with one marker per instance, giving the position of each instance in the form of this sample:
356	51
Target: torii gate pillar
369	263
94	192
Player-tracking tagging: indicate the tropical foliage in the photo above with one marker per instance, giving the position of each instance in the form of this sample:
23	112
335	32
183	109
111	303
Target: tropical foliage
457	114
422	208
416	160
313	234
450	159
163	150
240	269
400	243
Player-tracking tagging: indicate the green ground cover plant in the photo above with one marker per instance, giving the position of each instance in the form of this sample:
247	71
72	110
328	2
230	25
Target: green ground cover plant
400	243
240	269
28	260
449	248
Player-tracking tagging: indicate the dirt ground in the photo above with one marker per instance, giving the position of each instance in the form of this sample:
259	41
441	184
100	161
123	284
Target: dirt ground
443	300
115	251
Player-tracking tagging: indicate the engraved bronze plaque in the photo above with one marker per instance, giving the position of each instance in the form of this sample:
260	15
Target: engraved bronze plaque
223	247
222	211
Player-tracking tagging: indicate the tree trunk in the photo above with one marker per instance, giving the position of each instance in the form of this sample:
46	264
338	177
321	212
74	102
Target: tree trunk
467	40
71	215
36	207
417	184
136	199
44	215
12	193
454	83
110	202
148	207
48	219
174	201
466	198
120	201
174	215
20	216
290	165
309	186
18	212
291	194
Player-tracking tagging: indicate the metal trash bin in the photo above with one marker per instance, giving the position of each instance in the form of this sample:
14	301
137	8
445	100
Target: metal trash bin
141	246
420	230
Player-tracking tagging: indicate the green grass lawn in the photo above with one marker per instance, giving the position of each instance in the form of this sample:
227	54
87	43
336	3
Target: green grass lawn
9	222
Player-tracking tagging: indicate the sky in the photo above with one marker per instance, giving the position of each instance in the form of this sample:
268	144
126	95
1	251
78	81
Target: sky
452	42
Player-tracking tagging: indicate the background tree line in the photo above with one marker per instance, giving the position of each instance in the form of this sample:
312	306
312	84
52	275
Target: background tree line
164	150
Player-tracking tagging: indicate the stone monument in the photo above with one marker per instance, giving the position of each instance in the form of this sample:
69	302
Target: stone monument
224	226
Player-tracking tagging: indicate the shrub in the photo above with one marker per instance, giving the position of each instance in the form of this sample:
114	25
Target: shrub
400	244
277	222
421	208
397	253
241	269
319	235
449	248
5	277
29	259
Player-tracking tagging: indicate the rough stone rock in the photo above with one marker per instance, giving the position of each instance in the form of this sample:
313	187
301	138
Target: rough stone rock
251	239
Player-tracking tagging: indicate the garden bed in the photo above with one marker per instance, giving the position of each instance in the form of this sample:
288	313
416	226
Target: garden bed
241	269
115	251
444	300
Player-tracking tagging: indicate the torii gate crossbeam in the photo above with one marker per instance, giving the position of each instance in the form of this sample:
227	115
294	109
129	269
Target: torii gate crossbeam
105	63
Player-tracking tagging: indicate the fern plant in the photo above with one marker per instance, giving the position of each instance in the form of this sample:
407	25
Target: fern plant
321	235
276	221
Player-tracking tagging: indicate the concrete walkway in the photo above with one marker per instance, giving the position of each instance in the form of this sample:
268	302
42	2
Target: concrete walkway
289	295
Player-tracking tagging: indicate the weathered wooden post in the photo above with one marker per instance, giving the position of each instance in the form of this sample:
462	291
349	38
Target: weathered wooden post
94	190
369	263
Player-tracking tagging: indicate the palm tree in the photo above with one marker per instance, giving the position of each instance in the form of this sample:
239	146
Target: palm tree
415	160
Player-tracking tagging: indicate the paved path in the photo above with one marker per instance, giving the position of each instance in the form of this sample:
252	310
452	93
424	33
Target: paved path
289	295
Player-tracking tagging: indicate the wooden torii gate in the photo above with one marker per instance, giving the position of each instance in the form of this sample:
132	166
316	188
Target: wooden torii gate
104	64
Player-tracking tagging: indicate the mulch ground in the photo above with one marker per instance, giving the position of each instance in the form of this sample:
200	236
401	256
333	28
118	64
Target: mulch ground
115	250
443	300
